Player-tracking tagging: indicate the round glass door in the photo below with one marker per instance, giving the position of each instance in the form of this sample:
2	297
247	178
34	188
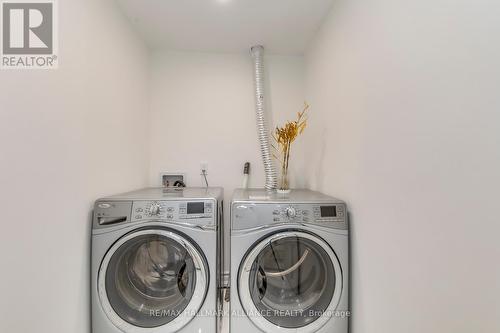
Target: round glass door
292	281
152	278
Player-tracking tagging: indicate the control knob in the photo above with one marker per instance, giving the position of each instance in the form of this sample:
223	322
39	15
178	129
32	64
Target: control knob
154	209
290	212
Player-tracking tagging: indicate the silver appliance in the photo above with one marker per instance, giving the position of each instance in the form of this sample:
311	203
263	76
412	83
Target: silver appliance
155	261
289	262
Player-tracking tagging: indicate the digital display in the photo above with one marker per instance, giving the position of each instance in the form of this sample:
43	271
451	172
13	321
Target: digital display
196	207
328	211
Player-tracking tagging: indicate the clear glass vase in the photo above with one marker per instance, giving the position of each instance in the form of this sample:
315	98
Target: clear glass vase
284	182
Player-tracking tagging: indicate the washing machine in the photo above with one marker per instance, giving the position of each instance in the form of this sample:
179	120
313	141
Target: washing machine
155	259
289	263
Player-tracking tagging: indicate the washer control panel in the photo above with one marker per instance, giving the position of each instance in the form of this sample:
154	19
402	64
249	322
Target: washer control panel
174	210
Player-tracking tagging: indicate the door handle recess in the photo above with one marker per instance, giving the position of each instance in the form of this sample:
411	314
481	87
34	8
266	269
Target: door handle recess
111	220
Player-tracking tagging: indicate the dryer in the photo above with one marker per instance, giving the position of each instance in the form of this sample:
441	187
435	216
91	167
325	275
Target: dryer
155	259
289	263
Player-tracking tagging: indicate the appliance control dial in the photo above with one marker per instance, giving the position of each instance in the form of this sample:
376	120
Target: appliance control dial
154	209
290	212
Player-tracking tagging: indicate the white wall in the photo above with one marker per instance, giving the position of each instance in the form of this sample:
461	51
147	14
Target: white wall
67	136
202	109
406	130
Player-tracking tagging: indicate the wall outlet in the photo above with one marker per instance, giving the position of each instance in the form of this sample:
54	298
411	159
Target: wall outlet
203	166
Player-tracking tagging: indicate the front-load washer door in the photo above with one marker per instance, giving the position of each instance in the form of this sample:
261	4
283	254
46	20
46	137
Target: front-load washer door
152	280
290	282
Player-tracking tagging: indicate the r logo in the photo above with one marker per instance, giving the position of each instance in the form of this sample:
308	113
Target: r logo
28	28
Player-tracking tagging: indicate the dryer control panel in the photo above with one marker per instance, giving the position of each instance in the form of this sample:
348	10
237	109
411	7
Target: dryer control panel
247	216
323	213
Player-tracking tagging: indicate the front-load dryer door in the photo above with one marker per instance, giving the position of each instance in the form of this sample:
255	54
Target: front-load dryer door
290	282
152	280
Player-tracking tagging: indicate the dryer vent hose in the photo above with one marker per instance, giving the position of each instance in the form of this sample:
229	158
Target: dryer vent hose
262	129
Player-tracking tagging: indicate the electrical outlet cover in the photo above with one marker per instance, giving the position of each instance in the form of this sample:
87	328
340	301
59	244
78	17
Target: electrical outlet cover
204	166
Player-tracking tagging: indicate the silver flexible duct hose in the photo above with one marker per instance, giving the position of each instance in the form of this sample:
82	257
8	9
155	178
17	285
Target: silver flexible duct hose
265	147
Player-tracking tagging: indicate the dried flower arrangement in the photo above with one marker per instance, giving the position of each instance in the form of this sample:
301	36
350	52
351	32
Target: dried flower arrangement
284	137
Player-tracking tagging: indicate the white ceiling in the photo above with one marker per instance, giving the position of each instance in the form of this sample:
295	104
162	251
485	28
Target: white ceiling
282	26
